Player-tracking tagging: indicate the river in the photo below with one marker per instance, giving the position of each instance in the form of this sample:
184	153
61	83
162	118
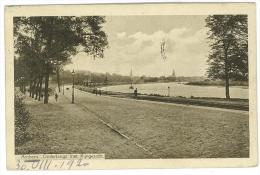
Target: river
180	89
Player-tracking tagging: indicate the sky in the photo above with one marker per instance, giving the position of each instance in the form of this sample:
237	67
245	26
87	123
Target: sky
134	43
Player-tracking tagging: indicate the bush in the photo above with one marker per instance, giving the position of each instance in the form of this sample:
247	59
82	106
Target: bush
22	119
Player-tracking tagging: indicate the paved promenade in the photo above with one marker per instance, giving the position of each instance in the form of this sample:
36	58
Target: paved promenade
129	128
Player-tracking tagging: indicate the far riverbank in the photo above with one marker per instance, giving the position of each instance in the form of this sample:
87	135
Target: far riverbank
218	83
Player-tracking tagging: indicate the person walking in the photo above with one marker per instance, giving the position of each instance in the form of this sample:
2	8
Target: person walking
96	91
135	92
56	96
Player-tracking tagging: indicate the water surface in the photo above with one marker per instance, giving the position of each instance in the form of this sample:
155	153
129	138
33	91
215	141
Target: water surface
180	89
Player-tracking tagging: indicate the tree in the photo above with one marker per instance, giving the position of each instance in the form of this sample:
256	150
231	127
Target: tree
27	51
228	59
54	40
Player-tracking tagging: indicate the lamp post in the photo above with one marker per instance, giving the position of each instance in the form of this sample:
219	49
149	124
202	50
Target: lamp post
106	80
73	72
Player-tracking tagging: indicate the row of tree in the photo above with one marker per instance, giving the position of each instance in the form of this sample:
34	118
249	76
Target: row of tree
228	59
43	45
84	77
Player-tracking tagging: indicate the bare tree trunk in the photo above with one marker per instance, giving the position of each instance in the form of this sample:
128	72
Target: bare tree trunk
37	89
226	76
30	88
48	66
227	87
58	77
20	86
40	88
46	88
34	88
24	87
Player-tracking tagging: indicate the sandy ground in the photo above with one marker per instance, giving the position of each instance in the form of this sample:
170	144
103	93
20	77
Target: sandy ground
128	128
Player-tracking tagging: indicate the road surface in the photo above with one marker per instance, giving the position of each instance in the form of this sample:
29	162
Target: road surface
133	129
162	130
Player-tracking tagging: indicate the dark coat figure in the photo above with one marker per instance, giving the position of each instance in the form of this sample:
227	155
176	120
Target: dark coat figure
100	92
96	91
135	92
56	96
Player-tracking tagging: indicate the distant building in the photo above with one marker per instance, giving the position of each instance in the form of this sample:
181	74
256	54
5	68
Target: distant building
173	73
172	77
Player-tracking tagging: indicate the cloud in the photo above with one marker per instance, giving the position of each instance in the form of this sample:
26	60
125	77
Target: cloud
121	35
186	52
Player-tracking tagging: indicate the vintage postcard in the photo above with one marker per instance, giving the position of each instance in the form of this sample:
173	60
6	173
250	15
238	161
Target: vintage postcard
117	86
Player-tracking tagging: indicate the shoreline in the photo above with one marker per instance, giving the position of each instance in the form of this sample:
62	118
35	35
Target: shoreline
200	84
218	83
233	103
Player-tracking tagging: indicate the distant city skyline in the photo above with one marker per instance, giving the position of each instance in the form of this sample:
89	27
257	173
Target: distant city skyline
134	43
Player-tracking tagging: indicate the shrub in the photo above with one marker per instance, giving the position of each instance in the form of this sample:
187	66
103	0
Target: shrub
22	119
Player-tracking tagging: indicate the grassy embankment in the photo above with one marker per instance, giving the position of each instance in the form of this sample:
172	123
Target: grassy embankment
238	104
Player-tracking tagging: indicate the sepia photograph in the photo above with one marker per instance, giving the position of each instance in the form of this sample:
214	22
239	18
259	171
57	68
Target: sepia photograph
130	86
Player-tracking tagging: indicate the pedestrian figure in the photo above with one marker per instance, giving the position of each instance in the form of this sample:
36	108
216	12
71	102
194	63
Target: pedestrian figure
100	92
135	92
56	97
96	91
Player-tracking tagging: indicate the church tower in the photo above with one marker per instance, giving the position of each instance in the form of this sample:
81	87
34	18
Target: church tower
173	73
